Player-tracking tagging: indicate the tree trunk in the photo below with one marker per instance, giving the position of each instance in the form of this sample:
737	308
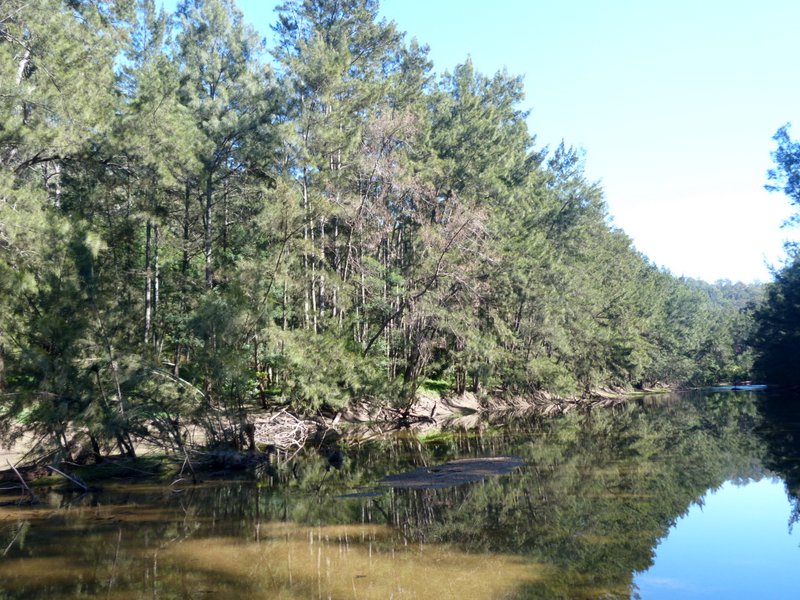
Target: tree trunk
335	299
314	304
2	366
156	275
225	223
476	382
22	69
305	252
98	457
207	240
259	369
364	332
321	300
122	404
184	273
148	283
125	446
461	381
284	315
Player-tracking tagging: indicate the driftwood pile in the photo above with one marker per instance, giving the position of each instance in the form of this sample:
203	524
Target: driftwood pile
283	431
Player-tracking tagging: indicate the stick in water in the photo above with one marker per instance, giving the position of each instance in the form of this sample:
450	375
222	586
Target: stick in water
34	499
80	484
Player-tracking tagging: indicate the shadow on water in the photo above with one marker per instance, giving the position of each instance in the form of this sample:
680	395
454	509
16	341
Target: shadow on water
579	510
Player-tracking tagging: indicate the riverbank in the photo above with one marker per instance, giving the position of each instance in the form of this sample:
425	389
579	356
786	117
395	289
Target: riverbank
277	436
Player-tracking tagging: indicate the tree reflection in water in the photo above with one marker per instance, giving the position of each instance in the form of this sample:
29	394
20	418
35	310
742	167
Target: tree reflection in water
595	494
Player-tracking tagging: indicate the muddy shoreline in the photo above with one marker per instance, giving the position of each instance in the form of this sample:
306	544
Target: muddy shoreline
281	435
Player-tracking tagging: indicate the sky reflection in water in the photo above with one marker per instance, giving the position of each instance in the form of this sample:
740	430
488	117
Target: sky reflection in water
716	550
591	508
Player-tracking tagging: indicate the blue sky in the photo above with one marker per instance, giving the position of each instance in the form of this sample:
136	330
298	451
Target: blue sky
675	103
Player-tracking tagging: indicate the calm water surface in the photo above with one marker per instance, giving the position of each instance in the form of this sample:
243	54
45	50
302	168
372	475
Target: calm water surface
734	545
670	497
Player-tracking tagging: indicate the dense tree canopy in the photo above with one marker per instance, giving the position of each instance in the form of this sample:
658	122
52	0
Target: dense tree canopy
777	330
190	229
777	333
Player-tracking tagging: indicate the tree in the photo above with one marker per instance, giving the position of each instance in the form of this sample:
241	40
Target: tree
786	174
233	103
777	331
778	316
185	235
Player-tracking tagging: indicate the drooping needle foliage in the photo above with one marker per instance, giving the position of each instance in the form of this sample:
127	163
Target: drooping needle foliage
193	226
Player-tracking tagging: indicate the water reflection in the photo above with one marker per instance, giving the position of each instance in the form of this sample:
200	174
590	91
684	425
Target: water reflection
585	511
704	556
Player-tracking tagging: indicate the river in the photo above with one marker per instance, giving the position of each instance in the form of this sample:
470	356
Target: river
689	496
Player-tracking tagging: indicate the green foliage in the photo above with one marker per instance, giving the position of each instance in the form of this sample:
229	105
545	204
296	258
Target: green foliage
786	174
186	236
777	333
777	319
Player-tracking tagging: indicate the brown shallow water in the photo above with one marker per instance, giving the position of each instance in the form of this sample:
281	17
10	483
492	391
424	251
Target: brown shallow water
572	507
128	544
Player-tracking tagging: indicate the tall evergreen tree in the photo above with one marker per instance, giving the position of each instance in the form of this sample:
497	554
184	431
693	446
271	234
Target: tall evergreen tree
778	317
185	236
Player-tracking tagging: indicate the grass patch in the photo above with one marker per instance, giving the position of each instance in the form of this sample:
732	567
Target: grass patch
439	386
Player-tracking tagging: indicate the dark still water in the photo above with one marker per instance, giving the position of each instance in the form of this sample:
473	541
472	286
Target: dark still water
689	496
